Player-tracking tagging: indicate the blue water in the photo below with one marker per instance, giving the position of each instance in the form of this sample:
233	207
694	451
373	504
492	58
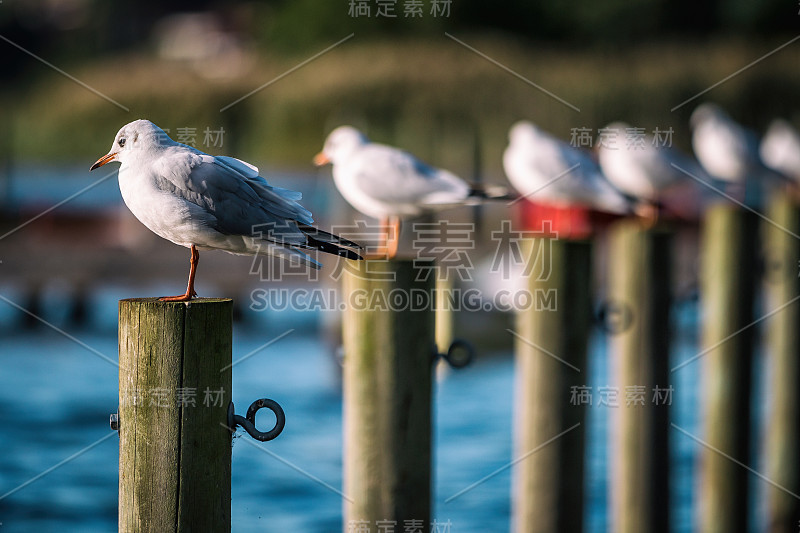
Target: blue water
36	187
56	395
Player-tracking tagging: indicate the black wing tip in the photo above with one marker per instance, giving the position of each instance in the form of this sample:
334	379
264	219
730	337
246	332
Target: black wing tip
493	192
323	236
333	249
347	243
350	254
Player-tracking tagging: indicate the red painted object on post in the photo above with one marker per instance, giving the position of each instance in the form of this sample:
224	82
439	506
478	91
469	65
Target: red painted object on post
565	222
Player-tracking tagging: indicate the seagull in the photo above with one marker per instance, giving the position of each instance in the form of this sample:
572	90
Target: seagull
389	184
780	149
726	149
649	173
547	170
642	170
206	202
729	152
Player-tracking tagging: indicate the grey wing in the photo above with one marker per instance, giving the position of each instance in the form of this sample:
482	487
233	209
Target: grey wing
586	175
563	167
686	167
750	149
742	141
236	199
590	185
394	176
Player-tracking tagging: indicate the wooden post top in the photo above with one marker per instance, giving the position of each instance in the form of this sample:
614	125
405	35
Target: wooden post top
155	300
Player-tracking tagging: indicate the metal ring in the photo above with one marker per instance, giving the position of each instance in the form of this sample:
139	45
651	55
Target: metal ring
451	356
615	316
248	422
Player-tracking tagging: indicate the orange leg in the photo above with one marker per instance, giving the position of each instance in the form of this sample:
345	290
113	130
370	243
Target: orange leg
388	237
393	237
193	260
382	237
383	230
648	214
651	216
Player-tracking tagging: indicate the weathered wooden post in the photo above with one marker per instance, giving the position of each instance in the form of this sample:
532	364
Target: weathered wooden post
551	346
637	318
783	437
174	393
389	341
727	290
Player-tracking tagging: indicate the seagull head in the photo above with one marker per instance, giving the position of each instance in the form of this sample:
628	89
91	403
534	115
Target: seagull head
340	143
705	113
617	130
137	137
522	132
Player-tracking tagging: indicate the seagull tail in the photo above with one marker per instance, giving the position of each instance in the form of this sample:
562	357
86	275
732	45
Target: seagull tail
619	204
325	237
285	251
491	192
331	248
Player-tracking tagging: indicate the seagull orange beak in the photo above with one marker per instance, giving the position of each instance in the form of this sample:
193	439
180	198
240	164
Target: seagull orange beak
108	158
321	159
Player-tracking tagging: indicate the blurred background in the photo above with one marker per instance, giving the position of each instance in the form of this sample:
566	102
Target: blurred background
212	75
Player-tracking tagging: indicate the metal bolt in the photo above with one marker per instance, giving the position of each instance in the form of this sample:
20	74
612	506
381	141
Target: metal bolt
114	421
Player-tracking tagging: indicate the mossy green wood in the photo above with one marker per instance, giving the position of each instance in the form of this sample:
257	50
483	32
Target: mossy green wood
783	330
639	278
548	477
387	392
175	457
728	264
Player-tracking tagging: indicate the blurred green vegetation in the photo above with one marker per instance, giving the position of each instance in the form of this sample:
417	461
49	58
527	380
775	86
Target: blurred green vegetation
76	30
401	79
429	96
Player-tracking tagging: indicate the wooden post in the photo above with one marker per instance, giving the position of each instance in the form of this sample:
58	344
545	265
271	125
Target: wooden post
783	437
6	156
174	391
549	442
727	292
388	354
444	312
637	315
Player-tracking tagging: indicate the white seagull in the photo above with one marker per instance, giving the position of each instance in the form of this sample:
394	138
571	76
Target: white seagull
547	170
659	176
389	184
642	169
726	149
208	202
780	149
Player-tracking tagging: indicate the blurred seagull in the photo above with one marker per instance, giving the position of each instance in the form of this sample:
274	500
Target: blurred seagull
549	171
211	202
780	149
389	184
649	172
726	149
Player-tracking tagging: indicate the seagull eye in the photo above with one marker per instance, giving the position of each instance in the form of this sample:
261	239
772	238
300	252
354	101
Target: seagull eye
121	142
